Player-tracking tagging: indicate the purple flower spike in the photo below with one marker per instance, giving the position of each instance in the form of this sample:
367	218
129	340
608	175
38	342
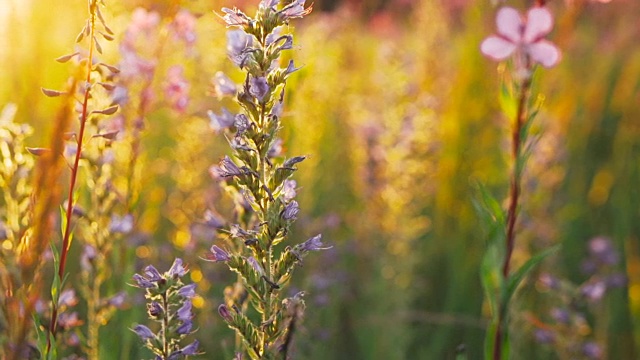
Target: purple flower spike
191	349
177	269
218	255
314	244
517	35
188	291
258	87
143	332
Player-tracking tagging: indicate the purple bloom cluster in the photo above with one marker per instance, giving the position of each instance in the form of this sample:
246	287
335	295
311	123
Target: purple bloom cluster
170	305
568	327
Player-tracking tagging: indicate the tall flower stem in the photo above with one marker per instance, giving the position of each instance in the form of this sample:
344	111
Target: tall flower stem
74	169
514	197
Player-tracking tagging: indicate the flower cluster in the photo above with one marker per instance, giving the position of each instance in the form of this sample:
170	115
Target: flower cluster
169	304
259	177
569	325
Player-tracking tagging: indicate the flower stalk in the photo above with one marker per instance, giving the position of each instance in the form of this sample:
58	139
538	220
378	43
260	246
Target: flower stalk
258	176
522	40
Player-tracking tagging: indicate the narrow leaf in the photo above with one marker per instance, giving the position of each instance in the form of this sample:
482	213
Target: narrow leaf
108	135
108	111
98	47
52	93
106	36
516	277
111	68
80	35
107	86
37	151
65	58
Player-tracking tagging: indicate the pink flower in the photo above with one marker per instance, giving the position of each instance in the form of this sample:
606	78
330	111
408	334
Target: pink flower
523	37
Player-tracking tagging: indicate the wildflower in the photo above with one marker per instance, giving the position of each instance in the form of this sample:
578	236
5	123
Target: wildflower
258	87
177	269
224	312
544	336
235	17
290	211
594	291
177	88
218	255
68	298
172	312
255	265
183	27
523	37
191	349
152	273
314	244
238	43
224	86
222	121
143	332
154	309
228	168
592	350
294	10
187	291
121	224
289	190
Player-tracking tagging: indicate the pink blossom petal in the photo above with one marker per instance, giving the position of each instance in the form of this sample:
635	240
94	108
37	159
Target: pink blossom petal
539	24
497	47
509	24
544	52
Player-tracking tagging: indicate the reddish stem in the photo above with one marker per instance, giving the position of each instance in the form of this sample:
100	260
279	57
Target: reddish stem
74	175
514	196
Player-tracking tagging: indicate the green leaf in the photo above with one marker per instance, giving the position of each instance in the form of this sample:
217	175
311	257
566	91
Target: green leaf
517	276
491	277
490	339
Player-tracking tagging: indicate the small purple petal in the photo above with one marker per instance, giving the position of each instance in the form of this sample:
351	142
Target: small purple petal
191	349
218	254
184	313
177	269
187	291
152	273
185	328
224	312
258	87
290	211
142	282
143	332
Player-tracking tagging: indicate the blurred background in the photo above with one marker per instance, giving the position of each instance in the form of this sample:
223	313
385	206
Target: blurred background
400	116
